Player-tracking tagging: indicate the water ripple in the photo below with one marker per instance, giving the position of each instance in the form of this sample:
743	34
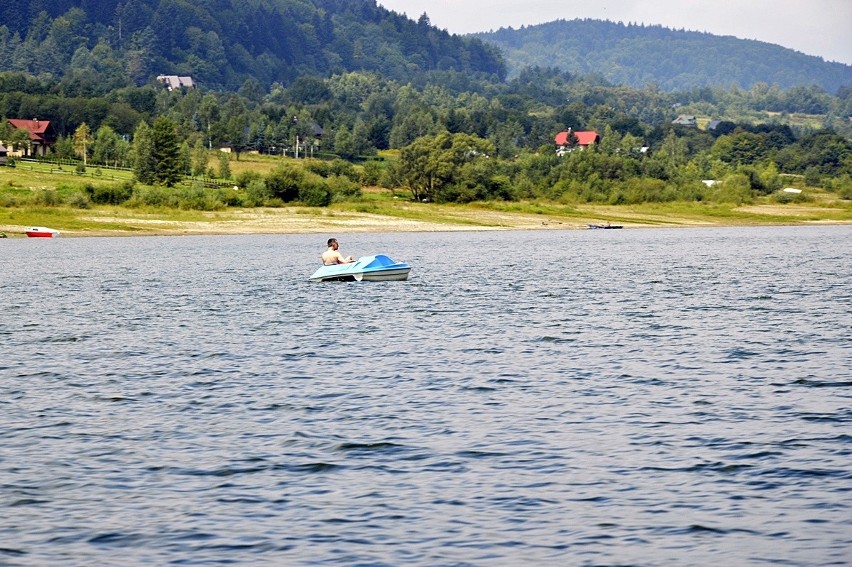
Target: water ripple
672	397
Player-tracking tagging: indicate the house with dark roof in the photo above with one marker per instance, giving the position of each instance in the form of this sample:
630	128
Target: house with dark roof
41	133
4	154
570	140
174	82
686	120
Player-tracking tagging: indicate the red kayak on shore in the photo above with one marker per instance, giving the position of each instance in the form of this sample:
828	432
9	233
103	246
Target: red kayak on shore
42	232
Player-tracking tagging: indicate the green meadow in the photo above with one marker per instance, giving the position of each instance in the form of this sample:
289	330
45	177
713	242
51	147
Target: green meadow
78	204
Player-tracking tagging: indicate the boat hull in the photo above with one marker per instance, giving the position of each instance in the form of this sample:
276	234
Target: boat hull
391	275
604	226
42	232
378	268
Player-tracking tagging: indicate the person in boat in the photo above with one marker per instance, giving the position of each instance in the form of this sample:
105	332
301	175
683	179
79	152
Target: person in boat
331	256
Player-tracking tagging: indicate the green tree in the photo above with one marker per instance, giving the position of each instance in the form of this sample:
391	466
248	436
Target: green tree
414	124
344	145
64	148
185	158
166	152
432	163
506	137
200	158
284	182
106	148
142	154
82	141
740	148
361	142
19	139
371	173
224	165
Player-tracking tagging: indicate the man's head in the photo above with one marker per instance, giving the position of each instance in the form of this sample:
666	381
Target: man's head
332	243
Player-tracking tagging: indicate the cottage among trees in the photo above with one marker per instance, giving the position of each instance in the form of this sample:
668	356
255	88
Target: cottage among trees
686	120
174	82
30	137
569	140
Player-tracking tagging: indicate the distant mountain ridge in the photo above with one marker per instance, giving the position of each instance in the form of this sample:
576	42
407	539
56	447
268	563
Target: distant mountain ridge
639	55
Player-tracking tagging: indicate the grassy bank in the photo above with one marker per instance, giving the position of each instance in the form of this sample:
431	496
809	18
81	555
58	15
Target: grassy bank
43	195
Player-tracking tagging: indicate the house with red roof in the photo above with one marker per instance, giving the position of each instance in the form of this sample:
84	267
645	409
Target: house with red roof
570	140
41	134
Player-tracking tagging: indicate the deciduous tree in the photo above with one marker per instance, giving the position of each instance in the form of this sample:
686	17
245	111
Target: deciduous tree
82	141
432	163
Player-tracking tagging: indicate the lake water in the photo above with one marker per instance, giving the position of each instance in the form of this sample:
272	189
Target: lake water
626	397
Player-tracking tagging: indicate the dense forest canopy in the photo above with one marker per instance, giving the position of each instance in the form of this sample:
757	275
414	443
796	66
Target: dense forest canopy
222	43
638	55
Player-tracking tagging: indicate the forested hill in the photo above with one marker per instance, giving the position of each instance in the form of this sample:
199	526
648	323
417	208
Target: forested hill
639	55
222	43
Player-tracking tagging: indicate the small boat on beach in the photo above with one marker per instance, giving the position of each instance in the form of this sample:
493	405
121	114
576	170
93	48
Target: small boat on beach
607	225
42	232
376	268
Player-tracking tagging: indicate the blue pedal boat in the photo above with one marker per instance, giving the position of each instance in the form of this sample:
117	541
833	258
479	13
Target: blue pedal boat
378	268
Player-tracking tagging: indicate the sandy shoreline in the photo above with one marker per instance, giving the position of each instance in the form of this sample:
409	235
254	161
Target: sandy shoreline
297	221
284	221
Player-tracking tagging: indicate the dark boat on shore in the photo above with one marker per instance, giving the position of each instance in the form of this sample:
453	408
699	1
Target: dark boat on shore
605	226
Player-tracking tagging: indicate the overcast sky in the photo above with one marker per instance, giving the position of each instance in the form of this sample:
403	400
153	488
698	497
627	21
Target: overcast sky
815	27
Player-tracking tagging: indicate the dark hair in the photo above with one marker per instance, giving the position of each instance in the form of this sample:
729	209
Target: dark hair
331	241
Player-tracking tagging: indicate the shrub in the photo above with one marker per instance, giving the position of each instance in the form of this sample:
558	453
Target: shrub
192	198
46	197
110	194
321	168
392	176
284	182
813	177
841	185
232	197
341	167
257	193
371	173
524	188
315	193
644	190
460	193
785	198
153	197
79	200
343	188
735	188
755	182
8	201
198	198
244	178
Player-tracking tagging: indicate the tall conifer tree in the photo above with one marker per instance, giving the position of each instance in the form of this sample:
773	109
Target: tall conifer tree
143	154
167	170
